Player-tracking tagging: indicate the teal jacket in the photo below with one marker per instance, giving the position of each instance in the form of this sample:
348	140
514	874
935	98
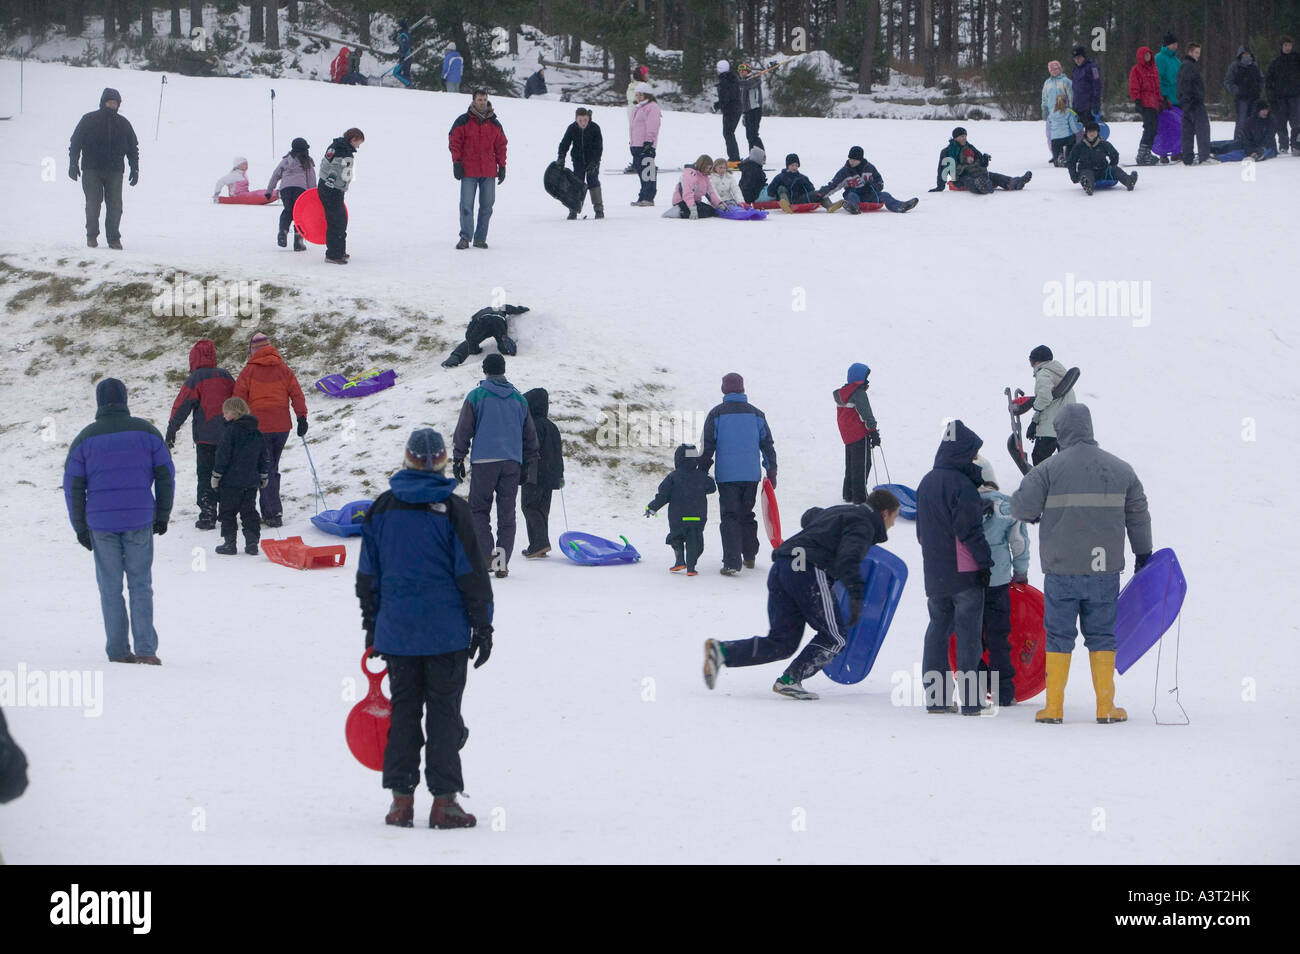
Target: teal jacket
1008	538
1167	62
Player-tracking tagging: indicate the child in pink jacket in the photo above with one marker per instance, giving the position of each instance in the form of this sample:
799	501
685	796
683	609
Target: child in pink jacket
644	140
693	187
236	180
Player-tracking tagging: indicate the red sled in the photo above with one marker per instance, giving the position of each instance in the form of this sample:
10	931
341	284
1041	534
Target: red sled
1028	642
952	187
367	727
794	207
871	206
771	514
292	552
309	217
248	198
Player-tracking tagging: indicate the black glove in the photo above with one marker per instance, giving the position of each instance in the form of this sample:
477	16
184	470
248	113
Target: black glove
1032	433
458	170
501	174
873	438
480	645
771	477
268	195
986	160
1140	560
170	439
83	537
514	309
73	172
1137	104
982	577
369	629
458	469
302	427
134	177
855	609
160	525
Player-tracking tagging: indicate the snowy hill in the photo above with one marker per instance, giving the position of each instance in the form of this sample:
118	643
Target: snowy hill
593	738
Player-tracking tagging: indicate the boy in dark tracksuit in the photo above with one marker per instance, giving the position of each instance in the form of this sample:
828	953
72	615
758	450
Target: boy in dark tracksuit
543	477
862	182
752	176
686	492
830	547
484	324
1093	160
964	164
335	177
203	393
792	187
857	430
583	141
241	467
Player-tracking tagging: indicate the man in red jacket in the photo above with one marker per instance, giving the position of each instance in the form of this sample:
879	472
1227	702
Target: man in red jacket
203	392
269	388
478	159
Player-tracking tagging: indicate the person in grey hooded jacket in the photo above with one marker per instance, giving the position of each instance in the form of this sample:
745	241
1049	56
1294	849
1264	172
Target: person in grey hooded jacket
1086	500
1042	429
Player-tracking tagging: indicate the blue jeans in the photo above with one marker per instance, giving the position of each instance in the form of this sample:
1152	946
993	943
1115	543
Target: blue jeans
487	194
130	552
961	613
1092	598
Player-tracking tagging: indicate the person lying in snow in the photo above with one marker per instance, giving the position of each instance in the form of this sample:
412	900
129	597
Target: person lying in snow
484	324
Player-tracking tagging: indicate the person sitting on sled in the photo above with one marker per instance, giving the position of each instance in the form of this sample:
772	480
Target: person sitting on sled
830	546
484	324
235	182
694	186
961	162
752	176
862	182
1094	160
792	187
725	185
1255	140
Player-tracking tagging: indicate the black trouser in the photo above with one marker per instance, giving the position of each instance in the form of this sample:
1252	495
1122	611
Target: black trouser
1286	111
687	540
1044	447
336	222
1244	109
739	526
857	467
499	479
730	120
536	504
647	171
1062	145
1196	123
997	630
287	198
205	455
1150	123
752	118
435	685
702	210
103	186
241	502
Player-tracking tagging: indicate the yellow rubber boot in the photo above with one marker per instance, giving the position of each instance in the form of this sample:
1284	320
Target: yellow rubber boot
1103	681
1058	671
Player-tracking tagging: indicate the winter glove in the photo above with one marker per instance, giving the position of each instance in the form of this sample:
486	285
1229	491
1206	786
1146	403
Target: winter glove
771	477
302	427
83	537
263	480
514	309
717	105
501	174
855	609
694	213
480	645
1032	433
986	508
268	196
873	438
1140	560
986	160
170	439
134	177
458	170
370	638
73	172
1021	579
982	577
216	481
649	513
458	469
160	525
1023	403
1137	104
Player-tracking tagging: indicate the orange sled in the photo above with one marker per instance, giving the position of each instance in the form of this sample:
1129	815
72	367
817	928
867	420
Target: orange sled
291	551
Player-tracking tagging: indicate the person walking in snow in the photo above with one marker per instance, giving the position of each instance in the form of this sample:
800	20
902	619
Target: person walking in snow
1283	87
829	548
858	431
270	390
295	174
1048	373
1094	160
1086	500
1167	65
693	187
583	142
118	483
453	65
426	607
235	182
1246	84
242	465
203	393
685	491
1144	90
478	162
644	142
99	144
484	324
544	478
862	182
1055	86
495	430
958	566
1086	84
336	171
1191	99
738	435
728	103
1008	540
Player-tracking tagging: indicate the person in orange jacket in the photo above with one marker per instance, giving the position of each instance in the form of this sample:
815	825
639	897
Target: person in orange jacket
269	388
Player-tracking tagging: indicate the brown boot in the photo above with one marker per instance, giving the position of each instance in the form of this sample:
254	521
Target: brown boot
1103	681
402	812
1058	671
447	813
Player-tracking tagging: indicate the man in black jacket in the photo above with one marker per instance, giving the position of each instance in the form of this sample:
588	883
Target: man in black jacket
543	477
99	144
582	140
1094	160
1246	84
728	103
1283	87
805	567
1191	97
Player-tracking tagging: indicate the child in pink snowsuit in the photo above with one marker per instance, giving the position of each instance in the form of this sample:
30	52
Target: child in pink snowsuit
693	187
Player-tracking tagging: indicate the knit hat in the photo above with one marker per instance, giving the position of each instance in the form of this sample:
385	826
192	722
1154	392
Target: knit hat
426	450
793	157
757	155
1054	64
299	145
1091	126
987	474
1169	38
732	383
494	364
959	131
855	152
110	391
1078	51
858	372
110	93
643	88
1041	353
723	66
258	340
237	162
643	71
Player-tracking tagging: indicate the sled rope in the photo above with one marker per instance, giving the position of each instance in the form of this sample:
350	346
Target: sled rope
1155	691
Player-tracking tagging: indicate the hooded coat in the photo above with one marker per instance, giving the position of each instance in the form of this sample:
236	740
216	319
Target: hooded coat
737	433
1086	499
1244	80
292	174
644	127
1144	79
1048	374
242	457
852	408
585	145
949	516
336	165
728	101
752	176
550	446
864	180
270	389
203	393
1167	65
1053	87
1086	80
1008	538
686	490
104	138
726	187
694	186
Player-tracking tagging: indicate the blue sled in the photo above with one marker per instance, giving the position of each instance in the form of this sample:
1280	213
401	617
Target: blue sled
906	499
344	522
586	549
884	575
1148	606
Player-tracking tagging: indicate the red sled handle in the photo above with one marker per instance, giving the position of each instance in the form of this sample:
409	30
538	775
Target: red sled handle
376	678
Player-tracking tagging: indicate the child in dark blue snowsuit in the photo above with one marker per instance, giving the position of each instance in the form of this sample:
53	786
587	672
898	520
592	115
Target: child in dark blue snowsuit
686	492
792	185
861	182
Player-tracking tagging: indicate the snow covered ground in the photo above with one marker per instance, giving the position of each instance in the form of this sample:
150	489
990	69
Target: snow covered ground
593	737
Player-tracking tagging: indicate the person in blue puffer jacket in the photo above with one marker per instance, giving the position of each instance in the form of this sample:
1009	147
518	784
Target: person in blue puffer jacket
737	434
1008	540
426	607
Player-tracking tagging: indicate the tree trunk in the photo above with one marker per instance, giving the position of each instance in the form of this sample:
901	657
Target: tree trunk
124	17
622	70
76	17
272	24
175	32
146	20
512	31
927	41
870	31
256	23
906	49
363	26
947	48
110	19
291	10
461	40
1004	32
196	15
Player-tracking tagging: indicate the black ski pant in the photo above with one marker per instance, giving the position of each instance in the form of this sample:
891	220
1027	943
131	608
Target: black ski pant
702	210
1286	112
752	118
536	504
645	167
272	506
103	186
997	633
795	598
857	468
499	480
951	613
1196	124
1062	146
287	199
1150	123
336	222
240	502
739	526
687	540
730	120
1044	447
205	456
435	685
